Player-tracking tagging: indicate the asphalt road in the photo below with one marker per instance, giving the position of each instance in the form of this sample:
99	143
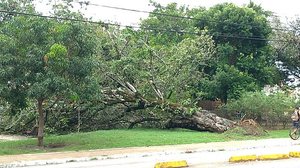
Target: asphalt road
208	155
195	160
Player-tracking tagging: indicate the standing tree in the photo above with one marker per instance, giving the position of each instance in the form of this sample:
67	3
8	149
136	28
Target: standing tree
245	56
171	24
43	59
288	47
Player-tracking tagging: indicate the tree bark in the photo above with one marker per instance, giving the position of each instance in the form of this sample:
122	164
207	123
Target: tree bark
201	121
41	123
78	119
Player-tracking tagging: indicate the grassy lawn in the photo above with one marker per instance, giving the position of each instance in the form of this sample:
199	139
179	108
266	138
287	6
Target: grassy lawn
123	138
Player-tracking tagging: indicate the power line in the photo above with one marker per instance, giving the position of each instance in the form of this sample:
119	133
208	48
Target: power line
136	10
164	14
87	21
49	17
136	27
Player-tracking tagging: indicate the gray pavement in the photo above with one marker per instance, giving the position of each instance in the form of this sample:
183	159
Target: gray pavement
197	155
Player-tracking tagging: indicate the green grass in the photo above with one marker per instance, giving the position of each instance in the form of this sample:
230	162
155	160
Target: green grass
123	138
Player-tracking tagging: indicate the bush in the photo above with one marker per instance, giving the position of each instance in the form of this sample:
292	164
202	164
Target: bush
268	109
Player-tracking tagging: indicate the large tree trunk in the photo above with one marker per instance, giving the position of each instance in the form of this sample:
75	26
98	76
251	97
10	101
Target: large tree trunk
201	121
177	115
41	123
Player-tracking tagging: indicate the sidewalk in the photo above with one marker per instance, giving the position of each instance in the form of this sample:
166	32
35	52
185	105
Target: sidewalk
102	154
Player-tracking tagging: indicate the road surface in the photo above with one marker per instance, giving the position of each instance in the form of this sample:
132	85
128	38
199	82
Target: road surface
209	155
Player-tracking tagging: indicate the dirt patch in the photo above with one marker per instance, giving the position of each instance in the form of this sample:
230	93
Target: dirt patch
12	137
247	127
55	145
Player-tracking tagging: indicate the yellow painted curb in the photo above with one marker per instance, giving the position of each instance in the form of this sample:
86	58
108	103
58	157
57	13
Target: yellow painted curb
244	158
295	154
174	164
273	157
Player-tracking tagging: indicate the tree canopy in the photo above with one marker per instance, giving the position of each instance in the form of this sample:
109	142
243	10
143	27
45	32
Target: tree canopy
241	35
44	59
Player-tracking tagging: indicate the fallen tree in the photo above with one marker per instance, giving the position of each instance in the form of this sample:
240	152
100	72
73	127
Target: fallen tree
159	84
176	115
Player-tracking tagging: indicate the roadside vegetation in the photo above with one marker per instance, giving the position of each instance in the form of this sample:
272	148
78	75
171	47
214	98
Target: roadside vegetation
124	138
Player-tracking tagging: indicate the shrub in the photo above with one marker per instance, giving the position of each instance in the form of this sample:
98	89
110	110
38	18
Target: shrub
268	109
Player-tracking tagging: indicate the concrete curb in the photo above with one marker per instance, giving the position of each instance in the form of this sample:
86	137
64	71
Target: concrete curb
246	158
294	154
273	157
173	164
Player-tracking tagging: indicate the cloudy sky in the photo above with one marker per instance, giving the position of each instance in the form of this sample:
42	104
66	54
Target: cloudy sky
287	9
